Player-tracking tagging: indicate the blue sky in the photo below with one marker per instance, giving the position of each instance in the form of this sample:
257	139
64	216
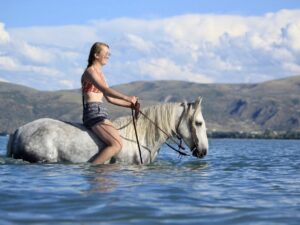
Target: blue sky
16	13
44	44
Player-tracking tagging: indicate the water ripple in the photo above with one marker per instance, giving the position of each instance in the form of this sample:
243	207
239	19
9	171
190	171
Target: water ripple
239	182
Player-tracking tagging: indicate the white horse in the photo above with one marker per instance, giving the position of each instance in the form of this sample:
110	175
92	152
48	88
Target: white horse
48	140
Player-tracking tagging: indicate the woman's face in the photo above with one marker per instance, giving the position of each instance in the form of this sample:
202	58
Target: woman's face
103	56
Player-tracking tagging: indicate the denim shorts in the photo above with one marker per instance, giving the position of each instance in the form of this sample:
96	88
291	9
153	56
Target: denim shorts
93	113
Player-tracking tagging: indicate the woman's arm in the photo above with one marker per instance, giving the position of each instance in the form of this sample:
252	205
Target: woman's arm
118	102
108	92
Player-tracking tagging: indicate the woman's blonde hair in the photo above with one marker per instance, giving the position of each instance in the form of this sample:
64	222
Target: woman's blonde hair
95	49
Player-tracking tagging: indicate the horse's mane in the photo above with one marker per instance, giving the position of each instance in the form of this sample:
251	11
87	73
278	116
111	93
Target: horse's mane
163	115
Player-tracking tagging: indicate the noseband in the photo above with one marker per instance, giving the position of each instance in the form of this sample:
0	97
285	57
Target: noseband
191	127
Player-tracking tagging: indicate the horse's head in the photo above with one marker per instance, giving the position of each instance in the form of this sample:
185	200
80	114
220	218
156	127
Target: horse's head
192	128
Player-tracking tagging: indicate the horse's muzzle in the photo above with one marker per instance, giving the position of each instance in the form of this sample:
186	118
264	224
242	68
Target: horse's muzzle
199	153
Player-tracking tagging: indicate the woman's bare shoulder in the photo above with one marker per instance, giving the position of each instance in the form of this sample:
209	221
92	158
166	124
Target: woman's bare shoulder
89	72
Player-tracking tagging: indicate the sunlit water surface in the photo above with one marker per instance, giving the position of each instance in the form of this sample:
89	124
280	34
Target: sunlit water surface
239	182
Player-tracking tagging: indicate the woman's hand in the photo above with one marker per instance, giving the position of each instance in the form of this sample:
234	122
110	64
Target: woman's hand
135	105
133	100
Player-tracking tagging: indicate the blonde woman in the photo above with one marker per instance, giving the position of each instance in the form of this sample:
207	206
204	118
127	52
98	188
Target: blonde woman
95	115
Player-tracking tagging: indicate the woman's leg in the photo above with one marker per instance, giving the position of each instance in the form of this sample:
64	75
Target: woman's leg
110	135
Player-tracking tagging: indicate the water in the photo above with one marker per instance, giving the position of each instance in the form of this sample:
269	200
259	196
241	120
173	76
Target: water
239	182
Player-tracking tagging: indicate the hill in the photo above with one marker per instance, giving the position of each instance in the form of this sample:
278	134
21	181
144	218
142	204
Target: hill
272	105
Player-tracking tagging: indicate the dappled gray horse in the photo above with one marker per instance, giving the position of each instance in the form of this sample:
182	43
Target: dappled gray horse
48	140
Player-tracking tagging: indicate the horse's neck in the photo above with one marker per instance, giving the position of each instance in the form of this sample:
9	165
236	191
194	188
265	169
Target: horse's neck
164	117
150	135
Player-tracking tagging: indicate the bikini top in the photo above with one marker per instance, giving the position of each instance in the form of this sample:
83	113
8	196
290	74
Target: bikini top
88	86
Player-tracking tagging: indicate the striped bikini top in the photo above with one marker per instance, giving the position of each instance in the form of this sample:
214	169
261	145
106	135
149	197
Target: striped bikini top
87	86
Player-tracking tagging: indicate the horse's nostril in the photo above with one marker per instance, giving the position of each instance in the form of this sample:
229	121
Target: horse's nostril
199	153
195	153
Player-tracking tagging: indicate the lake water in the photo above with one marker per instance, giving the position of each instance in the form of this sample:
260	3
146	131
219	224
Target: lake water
239	182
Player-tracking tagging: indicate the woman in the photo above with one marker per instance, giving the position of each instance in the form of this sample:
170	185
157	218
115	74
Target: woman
95	116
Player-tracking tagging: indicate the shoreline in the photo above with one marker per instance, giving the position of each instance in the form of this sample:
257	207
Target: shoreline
268	134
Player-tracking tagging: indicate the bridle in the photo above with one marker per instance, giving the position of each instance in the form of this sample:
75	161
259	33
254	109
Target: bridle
135	110
193	131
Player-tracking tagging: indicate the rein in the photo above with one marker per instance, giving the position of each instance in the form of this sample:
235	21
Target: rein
135	116
134	119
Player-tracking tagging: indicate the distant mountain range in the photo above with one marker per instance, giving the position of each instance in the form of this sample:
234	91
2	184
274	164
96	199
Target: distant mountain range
272	105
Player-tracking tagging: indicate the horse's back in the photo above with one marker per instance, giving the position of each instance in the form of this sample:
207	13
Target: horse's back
51	141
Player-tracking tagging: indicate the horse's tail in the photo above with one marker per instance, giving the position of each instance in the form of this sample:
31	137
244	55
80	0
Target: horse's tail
10	149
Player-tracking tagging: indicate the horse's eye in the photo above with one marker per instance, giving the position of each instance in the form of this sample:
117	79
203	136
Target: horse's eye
199	124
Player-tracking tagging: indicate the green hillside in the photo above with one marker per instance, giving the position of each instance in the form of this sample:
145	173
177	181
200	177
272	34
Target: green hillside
273	105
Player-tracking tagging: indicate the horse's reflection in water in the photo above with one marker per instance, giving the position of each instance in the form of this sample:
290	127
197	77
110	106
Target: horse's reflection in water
48	140
199	166
109	178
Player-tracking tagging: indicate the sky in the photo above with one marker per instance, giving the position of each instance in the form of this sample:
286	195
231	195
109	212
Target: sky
45	44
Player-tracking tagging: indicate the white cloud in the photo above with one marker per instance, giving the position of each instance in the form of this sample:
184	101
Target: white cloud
10	64
3	80
7	63
199	48
203	28
4	36
163	68
293	67
67	83
291	35
33	53
139	43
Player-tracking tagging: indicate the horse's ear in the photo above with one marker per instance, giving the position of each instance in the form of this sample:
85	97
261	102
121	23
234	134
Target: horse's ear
198	102
197	105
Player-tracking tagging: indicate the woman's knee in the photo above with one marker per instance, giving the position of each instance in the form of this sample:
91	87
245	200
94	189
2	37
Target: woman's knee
109	136
117	145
